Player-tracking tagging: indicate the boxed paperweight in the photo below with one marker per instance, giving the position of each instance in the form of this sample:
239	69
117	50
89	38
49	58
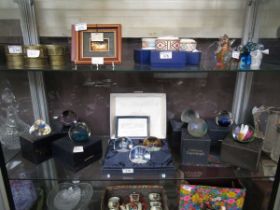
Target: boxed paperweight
76	156
138	125
244	155
38	149
194	150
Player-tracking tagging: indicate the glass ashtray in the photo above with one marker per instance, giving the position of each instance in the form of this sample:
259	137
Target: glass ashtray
243	133
68	196
123	144
139	155
40	128
79	132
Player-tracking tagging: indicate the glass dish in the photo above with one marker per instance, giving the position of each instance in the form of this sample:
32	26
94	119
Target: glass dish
139	155
243	133
123	144
68	196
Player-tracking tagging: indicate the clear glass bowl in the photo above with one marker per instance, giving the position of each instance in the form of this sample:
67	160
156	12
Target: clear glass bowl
139	155
68	196
123	144
79	132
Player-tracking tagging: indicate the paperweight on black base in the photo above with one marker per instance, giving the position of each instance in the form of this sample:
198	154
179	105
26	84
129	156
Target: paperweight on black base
38	148
76	156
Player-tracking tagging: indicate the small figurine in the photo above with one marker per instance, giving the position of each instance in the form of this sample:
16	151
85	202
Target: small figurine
40	128
223	53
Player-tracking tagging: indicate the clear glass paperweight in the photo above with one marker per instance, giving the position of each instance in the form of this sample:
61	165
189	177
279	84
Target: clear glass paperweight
123	144
188	115
224	119
79	132
139	155
40	128
68	117
68	196
197	127
243	133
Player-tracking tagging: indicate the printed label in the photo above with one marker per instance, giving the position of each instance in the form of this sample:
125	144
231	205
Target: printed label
97	60
80	26
78	149
33	53
236	54
127	170
97	37
14	49
165	55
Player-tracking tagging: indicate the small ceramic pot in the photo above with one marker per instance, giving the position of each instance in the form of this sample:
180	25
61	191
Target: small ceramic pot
168	43
188	45
148	43
34	63
41	48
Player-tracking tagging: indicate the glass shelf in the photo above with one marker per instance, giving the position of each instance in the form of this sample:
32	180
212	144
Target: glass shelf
130	67
21	169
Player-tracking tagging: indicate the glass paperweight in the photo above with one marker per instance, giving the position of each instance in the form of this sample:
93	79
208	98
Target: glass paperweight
123	144
153	144
224	119
197	127
68	117
188	115
79	132
68	196
139	155
40	128
243	133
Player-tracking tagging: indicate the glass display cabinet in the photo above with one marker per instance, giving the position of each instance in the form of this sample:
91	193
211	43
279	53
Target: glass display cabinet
91	143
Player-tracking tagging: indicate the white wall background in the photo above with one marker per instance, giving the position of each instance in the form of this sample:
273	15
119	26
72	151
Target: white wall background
145	18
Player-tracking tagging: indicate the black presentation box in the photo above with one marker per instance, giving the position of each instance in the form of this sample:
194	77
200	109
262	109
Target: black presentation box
63	151
194	151
243	155
38	149
217	134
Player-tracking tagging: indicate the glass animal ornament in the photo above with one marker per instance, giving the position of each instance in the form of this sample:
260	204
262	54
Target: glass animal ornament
139	155
197	128
79	132
223	52
224	119
123	144
188	115
243	133
12	125
70	196
40	128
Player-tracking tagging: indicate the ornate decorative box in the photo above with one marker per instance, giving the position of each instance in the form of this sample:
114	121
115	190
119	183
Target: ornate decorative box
168	43
76	156
131	108
38	149
168	59
148	43
244	155
194	151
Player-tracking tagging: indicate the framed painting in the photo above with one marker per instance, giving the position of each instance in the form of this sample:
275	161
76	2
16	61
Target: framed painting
96	41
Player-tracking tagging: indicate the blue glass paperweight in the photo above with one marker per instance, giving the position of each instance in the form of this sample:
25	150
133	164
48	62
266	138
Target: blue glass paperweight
79	132
139	155
197	127
123	144
224	119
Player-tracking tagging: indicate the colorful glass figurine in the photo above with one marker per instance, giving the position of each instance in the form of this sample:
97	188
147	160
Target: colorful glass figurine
223	53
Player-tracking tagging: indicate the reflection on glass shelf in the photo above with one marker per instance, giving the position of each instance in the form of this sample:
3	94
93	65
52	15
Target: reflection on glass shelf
52	170
132	68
